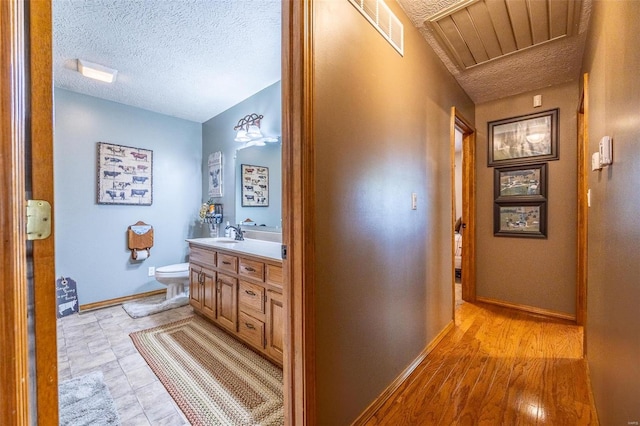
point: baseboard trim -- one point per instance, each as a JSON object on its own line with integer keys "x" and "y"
{"x": 526, "y": 308}
{"x": 373, "y": 408}
{"x": 118, "y": 300}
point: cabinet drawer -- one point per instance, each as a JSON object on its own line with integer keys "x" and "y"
{"x": 227, "y": 263}
{"x": 251, "y": 296}
{"x": 274, "y": 275}
{"x": 251, "y": 268}
{"x": 202, "y": 256}
{"x": 251, "y": 329}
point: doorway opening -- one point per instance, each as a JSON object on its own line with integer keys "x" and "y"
{"x": 462, "y": 139}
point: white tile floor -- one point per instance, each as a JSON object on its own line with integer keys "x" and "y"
{"x": 99, "y": 340}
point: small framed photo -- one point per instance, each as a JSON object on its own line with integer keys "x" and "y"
{"x": 519, "y": 183}
{"x": 524, "y": 219}
{"x": 125, "y": 175}
{"x": 525, "y": 139}
{"x": 255, "y": 186}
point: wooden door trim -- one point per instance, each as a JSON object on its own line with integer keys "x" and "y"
{"x": 468, "y": 202}
{"x": 14, "y": 404}
{"x": 583, "y": 206}
{"x": 298, "y": 208}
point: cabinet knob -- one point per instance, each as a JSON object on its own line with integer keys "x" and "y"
{"x": 226, "y": 262}
{"x": 250, "y": 293}
{"x": 249, "y": 268}
{"x": 249, "y": 326}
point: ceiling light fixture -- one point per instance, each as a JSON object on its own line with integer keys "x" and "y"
{"x": 96, "y": 71}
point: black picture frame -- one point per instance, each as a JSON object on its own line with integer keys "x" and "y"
{"x": 520, "y": 183}
{"x": 526, "y": 219}
{"x": 524, "y": 139}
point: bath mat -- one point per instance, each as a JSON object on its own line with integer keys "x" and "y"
{"x": 86, "y": 401}
{"x": 154, "y": 304}
{"x": 214, "y": 378}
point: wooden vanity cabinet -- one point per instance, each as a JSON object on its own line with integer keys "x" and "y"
{"x": 242, "y": 294}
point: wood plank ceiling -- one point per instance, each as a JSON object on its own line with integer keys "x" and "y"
{"x": 477, "y": 31}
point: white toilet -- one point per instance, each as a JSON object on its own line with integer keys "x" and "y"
{"x": 175, "y": 277}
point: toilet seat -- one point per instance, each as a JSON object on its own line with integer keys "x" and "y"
{"x": 173, "y": 271}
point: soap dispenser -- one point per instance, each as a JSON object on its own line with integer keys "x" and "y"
{"x": 227, "y": 230}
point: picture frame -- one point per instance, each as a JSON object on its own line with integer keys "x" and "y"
{"x": 524, "y": 139}
{"x": 255, "y": 185}
{"x": 125, "y": 175}
{"x": 526, "y": 219}
{"x": 520, "y": 183}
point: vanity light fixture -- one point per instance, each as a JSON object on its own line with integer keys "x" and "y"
{"x": 96, "y": 71}
{"x": 248, "y": 128}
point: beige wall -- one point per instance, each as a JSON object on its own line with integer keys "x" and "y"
{"x": 613, "y": 322}
{"x": 539, "y": 273}
{"x": 383, "y": 271}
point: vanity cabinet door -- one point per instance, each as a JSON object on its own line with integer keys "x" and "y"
{"x": 208, "y": 293}
{"x": 275, "y": 325}
{"x": 227, "y": 301}
{"x": 195, "y": 287}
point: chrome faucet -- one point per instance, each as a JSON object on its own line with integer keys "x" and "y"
{"x": 239, "y": 234}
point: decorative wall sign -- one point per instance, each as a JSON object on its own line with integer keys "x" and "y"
{"x": 125, "y": 175}
{"x": 66, "y": 296}
{"x": 255, "y": 186}
{"x": 215, "y": 174}
{"x": 524, "y": 139}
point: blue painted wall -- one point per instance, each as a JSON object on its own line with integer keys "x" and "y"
{"x": 91, "y": 243}
{"x": 218, "y": 135}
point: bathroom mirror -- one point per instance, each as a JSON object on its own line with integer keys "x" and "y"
{"x": 267, "y": 217}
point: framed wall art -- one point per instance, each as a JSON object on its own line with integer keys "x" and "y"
{"x": 520, "y": 219}
{"x": 125, "y": 175}
{"x": 519, "y": 183}
{"x": 215, "y": 174}
{"x": 525, "y": 139}
{"x": 255, "y": 186}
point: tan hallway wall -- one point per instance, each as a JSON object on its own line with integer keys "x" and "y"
{"x": 538, "y": 273}
{"x": 383, "y": 273}
{"x": 612, "y": 59}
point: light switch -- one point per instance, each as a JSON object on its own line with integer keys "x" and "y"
{"x": 414, "y": 201}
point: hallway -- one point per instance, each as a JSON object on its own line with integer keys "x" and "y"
{"x": 497, "y": 367}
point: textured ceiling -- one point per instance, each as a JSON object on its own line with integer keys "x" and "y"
{"x": 557, "y": 61}
{"x": 191, "y": 59}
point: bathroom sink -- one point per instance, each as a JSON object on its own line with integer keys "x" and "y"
{"x": 223, "y": 240}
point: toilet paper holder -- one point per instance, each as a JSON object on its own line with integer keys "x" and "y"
{"x": 140, "y": 237}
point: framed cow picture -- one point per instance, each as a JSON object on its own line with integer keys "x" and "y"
{"x": 255, "y": 186}
{"x": 125, "y": 175}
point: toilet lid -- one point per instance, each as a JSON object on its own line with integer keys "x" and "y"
{"x": 177, "y": 267}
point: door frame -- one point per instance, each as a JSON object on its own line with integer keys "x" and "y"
{"x": 468, "y": 203}
{"x": 14, "y": 404}
{"x": 298, "y": 211}
{"x": 583, "y": 206}
{"x": 27, "y": 125}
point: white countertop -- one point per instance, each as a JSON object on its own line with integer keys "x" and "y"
{"x": 260, "y": 248}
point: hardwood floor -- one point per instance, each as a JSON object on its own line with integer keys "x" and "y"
{"x": 497, "y": 367}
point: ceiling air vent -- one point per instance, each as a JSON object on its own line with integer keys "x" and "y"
{"x": 381, "y": 17}
{"x": 478, "y": 31}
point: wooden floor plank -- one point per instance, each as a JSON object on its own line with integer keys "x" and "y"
{"x": 497, "y": 366}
